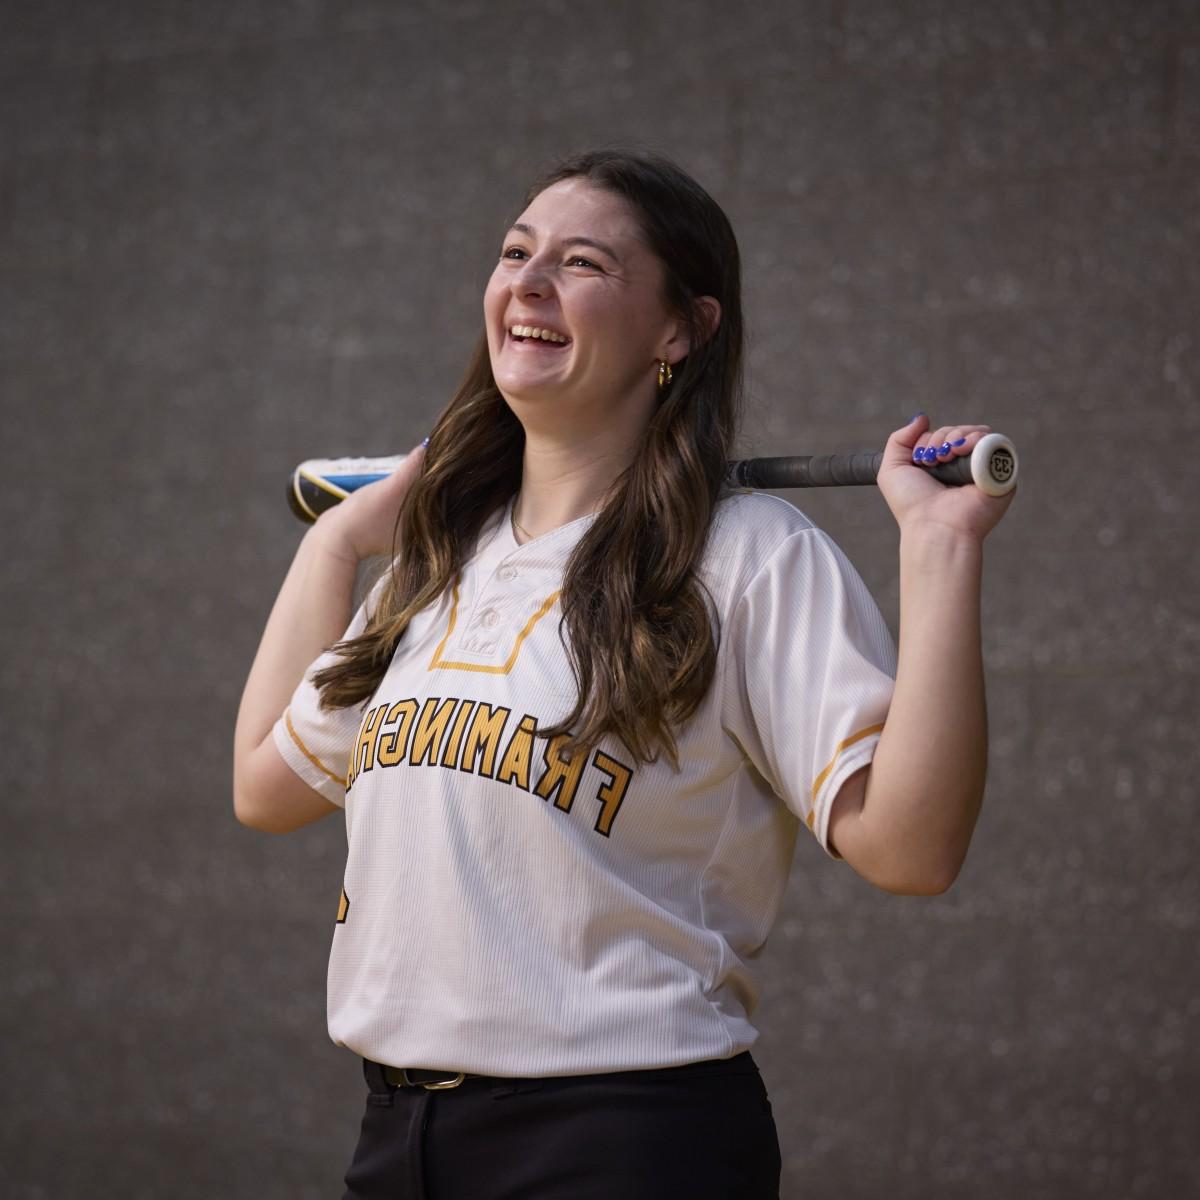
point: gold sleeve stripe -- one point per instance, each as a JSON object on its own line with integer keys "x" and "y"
{"x": 312, "y": 758}
{"x": 854, "y": 737}
{"x": 438, "y": 663}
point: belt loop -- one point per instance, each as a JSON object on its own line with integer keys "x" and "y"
{"x": 381, "y": 1091}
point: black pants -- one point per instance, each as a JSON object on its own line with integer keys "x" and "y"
{"x": 702, "y": 1131}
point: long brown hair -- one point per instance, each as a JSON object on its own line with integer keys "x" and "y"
{"x": 638, "y": 624}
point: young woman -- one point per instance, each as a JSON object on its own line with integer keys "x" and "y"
{"x": 576, "y": 727}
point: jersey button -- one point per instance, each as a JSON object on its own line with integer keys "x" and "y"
{"x": 490, "y": 618}
{"x": 508, "y": 574}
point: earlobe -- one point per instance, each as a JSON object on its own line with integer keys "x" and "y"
{"x": 675, "y": 348}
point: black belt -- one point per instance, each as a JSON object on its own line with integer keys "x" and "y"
{"x": 381, "y": 1077}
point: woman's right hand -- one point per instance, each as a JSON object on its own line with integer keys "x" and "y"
{"x": 362, "y": 525}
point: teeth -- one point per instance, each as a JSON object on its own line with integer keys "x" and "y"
{"x": 532, "y": 331}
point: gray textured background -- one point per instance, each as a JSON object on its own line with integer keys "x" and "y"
{"x": 237, "y": 233}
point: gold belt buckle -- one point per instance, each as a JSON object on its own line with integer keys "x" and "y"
{"x": 432, "y": 1086}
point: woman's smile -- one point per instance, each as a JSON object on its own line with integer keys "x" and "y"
{"x": 523, "y": 333}
{"x": 574, "y": 309}
{"x": 536, "y": 339}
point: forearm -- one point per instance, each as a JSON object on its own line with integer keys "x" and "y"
{"x": 311, "y": 612}
{"x": 925, "y": 786}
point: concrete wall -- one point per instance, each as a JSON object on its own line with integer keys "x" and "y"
{"x": 239, "y": 233}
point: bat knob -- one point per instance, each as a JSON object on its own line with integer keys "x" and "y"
{"x": 994, "y": 465}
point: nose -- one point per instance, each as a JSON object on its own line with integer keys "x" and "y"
{"x": 532, "y": 279}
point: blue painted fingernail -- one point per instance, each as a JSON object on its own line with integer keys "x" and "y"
{"x": 930, "y": 455}
{"x": 960, "y": 442}
{"x": 918, "y": 455}
{"x": 915, "y": 416}
{"x": 944, "y": 448}
{"x": 425, "y": 442}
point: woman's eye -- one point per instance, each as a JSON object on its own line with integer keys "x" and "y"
{"x": 516, "y": 253}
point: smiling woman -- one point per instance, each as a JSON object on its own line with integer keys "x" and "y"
{"x": 577, "y": 726}
{"x": 559, "y": 430}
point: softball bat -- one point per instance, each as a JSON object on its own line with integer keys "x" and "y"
{"x": 319, "y": 483}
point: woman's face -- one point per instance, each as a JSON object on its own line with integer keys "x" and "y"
{"x": 574, "y": 264}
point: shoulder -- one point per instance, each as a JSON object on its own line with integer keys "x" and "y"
{"x": 759, "y": 514}
{"x": 747, "y": 532}
{"x": 759, "y": 539}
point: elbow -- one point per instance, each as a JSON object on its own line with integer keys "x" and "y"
{"x": 931, "y": 885}
{"x": 935, "y": 879}
{"x": 905, "y": 844}
{"x": 276, "y": 804}
{"x": 253, "y": 818}
{"x": 248, "y": 813}
{"x": 243, "y": 811}
{"x": 931, "y": 866}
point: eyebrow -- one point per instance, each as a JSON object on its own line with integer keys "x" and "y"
{"x": 528, "y": 230}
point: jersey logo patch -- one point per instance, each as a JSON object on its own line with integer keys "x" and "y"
{"x": 343, "y": 908}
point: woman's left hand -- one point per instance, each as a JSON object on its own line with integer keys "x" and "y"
{"x": 916, "y": 498}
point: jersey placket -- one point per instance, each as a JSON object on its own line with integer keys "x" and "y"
{"x": 505, "y": 596}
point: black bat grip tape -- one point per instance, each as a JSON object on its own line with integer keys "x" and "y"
{"x": 862, "y": 470}
{"x": 807, "y": 470}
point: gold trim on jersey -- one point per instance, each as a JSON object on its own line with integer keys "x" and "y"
{"x": 439, "y": 664}
{"x": 312, "y": 758}
{"x": 854, "y": 737}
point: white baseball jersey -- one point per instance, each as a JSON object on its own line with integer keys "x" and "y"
{"x": 506, "y": 913}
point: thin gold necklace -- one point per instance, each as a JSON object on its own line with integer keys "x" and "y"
{"x": 517, "y": 526}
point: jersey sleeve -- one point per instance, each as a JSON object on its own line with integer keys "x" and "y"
{"x": 315, "y": 742}
{"x": 808, "y": 673}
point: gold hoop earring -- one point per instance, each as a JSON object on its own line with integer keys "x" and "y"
{"x": 664, "y": 375}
